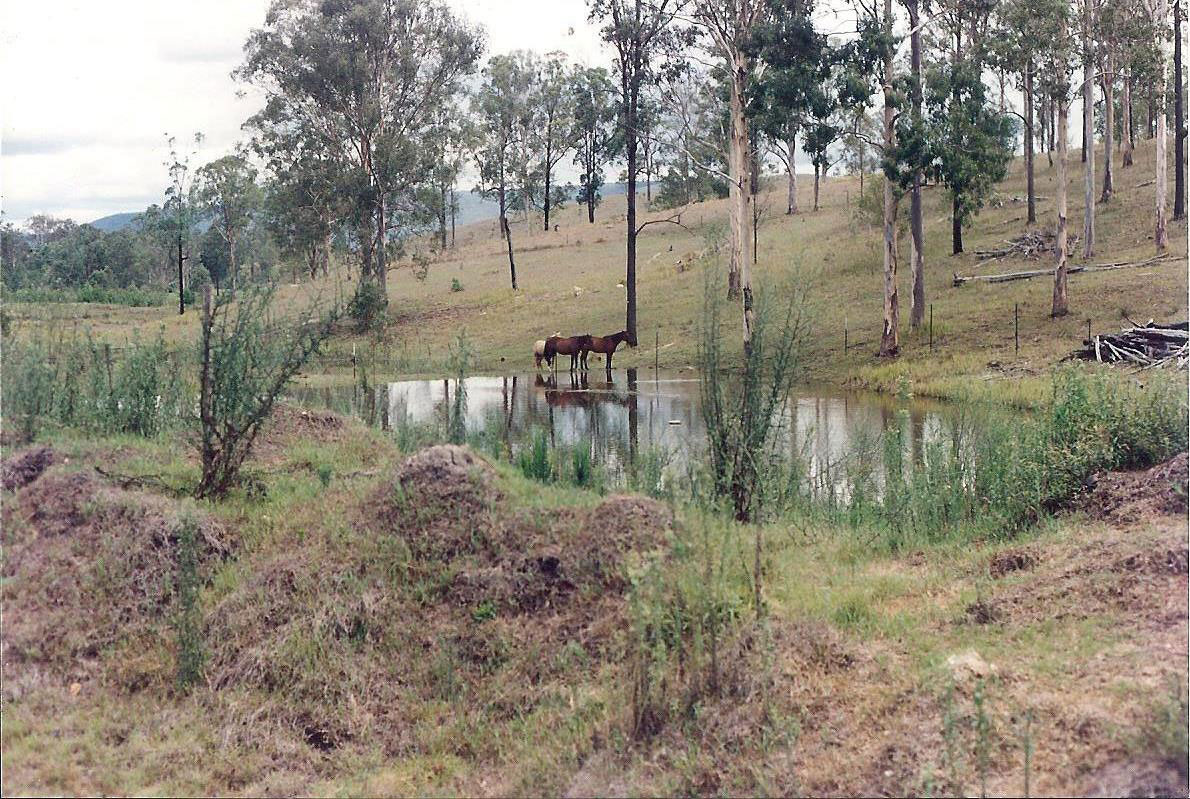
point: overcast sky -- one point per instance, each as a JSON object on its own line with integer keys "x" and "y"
{"x": 91, "y": 88}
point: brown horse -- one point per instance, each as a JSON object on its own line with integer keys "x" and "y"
{"x": 606, "y": 345}
{"x": 574, "y": 346}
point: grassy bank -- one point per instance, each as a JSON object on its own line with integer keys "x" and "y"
{"x": 446, "y": 623}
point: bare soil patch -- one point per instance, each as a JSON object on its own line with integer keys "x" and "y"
{"x": 21, "y": 469}
{"x": 1128, "y": 497}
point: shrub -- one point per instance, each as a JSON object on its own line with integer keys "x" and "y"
{"x": 455, "y": 285}
{"x": 368, "y": 306}
{"x": 246, "y": 356}
{"x": 741, "y": 414}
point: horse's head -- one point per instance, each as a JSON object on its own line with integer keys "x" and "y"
{"x": 628, "y": 337}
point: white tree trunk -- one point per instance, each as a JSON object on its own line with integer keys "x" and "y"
{"x": 1060, "y": 304}
{"x": 1088, "y": 135}
{"x": 741, "y": 198}
{"x": 890, "y": 342}
{"x": 1161, "y": 235}
{"x": 791, "y": 147}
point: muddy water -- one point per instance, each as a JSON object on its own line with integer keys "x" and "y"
{"x": 635, "y": 412}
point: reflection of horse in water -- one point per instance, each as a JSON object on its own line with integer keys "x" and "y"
{"x": 581, "y": 392}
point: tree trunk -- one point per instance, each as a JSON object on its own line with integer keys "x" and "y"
{"x": 1049, "y": 153}
{"x": 791, "y": 165}
{"x": 1060, "y": 304}
{"x": 507, "y": 230}
{"x": 817, "y": 171}
{"x": 546, "y": 200}
{"x": 917, "y": 304}
{"x": 740, "y": 276}
{"x": 630, "y": 110}
{"x": 1161, "y": 235}
{"x": 1179, "y": 132}
{"x": 381, "y": 276}
{"x": 453, "y": 203}
{"x": 1126, "y": 121}
{"x": 1109, "y": 121}
{"x": 956, "y": 228}
{"x": 1030, "y": 192}
{"x": 1088, "y": 136}
{"x": 890, "y": 343}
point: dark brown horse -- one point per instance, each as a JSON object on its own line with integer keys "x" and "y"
{"x": 606, "y": 345}
{"x": 574, "y": 346}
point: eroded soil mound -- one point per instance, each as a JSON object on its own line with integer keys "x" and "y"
{"x": 89, "y": 573}
{"x": 288, "y": 425}
{"x": 18, "y": 471}
{"x": 438, "y": 588}
{"x": 440, "y": 502}
{"x": 1138, "y": 778}
{"x": 1126, "y": 497}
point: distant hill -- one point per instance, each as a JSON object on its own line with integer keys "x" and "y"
{"x": 472, "y": 208}
{"x": 114, "y": 221}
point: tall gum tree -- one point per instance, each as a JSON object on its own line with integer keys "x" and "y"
{"x": 639, "y": 32}
{"x": 366, "y": 77}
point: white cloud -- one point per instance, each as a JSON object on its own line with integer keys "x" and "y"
{"x": 91, "y": 88}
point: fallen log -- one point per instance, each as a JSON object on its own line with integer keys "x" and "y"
{"x": 1006, "y": 277}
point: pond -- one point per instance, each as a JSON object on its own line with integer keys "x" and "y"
{"x": 621, "y": 415}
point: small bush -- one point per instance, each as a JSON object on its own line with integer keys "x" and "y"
{"x": 455, "y": 285}
{"x": 368, "y": 306}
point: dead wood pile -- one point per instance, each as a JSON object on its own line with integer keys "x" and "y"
{"x": 1150, "y": 346}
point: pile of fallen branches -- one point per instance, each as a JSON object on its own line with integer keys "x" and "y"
{"x": 1149, "y": 346}
{"x": 1032, "y": 244}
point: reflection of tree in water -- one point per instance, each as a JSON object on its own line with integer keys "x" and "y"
{"x": 832, "y": 431}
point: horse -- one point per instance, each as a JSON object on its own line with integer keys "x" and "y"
{"x": 574, "y": 346}
{"x": 539, "y": 354}
{"x": 606, "y": 345}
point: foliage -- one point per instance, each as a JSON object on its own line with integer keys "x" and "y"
{"x": 80, "y": 383}
{"x": 595, "y": 132}
{"x": 368, "y": 306}
{"x": 972, "y": 143}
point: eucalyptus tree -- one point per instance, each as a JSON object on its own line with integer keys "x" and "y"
{"x": 1017, "y": 45}
{"x": 365, "y": 77}
{"x": 971, "y": 140}
{"x": 1055, "y": 66}
{"x": 639, "y": 31}
{"x": 501, "y": 107}
{"x": 729, "y": 28}
{"x": 791, "y": 52}
{"x": 595, "y": 134}
{"x": 694, "y": 142}
{"x": 1160, "y": 13}
{"x": 452, "y": 138}
{"x": 227, "y": 191}
{"x": 555, "y": 132}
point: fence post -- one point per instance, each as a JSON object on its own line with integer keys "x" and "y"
{"x": 1016, "y": 326}
{"x": 656, "y": 351}
{"x": 931, "y": 327}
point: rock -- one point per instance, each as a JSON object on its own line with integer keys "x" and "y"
{"x": 965, "y": 666}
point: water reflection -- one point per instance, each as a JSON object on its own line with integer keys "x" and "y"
{"x": 618, "y": 414}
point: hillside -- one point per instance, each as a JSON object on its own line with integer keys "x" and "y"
{"x": 569, "y": 282}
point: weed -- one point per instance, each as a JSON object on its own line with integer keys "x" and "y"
{"x": 188, "y": 617}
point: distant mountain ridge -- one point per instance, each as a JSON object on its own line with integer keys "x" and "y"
{"x": 472, "y": 208}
